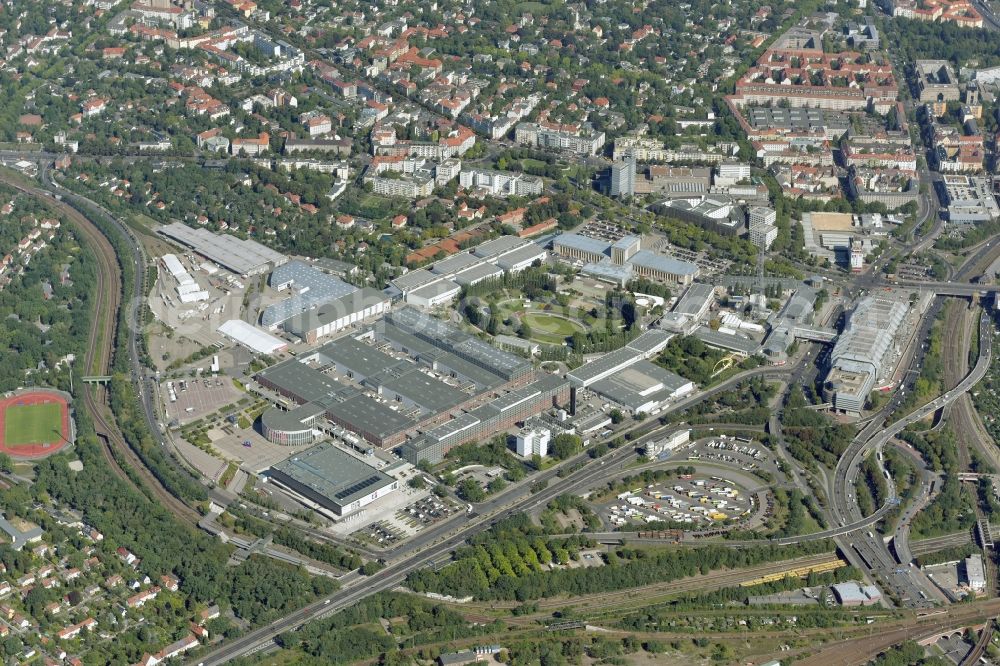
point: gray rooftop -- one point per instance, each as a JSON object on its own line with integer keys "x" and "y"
{"x": 694, "y": 298}
{"x": 235, "y": 254}
{"x": 514, "y": 257}
{"x": 650, "y": 341}
{"x": 869, "y": 332}
{"x": 799, "y": 308}
{"x": 361, "y": 413}
{"x": 422, "y": 389}
{"x": 291, "y": 420}
{"x": 607, "y": 270}
{"x": 583, "y": 243}
{"x": 309, "y": 287}
{"x": 355, "y": 302}
{"x": 362, "y": 359}
{"x": 332, "y": 473}
{"x": 658, "y": 262}
{"x": 413, "y": 279}
{"x": 626, "y": 242}
{"x": 455, "y": 263}
{"x": 335, "y": 266}
{"x": 17, "y": 537}
{"x": 639, "y": 383}
{"x": 453, "y": 427}
{"x": 498, "y": 246}
{"x": 431, "y": 354}
{"x": 299, "y": 380}
{"x": 478, "y": 272}
{"x": 586, "y": 373}
{"x": 435, "y": 289}
{"x": 448, "y": 337}
{"x": 726, "y": 341}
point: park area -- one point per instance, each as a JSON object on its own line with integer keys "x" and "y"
{"x": 551, "y": 328}
{"x": 34, "y": 424}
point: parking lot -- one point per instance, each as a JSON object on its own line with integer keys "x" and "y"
{"x": 697, "y": 500}
{"x": 380, "y": 534}
{"x": 747, "y": 455}
{"x": 426, "y": 512}
{"x": 188, "y": 400}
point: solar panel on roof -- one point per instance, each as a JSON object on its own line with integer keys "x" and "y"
{"x": 357, "y": 487}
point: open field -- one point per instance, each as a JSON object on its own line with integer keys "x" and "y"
{"x": 37, "y": 423}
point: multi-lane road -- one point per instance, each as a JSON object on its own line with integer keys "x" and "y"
{"x": 867, "y": 546}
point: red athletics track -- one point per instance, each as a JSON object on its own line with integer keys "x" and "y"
{"x": 29, "y": 451}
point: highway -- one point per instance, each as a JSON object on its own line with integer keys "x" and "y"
{"x": 867, "y": 546}
{"x": 990, "y": 19}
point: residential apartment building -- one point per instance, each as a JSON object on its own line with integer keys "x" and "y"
{"x": 501, "y": 183}
{"x": 573, "y": 138}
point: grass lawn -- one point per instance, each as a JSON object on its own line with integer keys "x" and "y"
{"x": 32, "y": 424}
{"x": 551, "y": 328}
{"x": 510, "y": 306}
{"x": 145, "y": 220}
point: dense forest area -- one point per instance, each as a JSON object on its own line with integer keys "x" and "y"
{"x": 810, "y": 436}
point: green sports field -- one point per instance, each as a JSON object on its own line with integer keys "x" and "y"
{"x": 25, "y": 425}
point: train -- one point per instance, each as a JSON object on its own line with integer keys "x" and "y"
{"x": 667, "y": 535}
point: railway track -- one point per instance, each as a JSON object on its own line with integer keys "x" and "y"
{"x": 660, "y": 591}
{"x": 99, "y": 356}
{"x": 925, "y": 546}
{"x": 857, "y": 651}
{"x": 985, "y": 636}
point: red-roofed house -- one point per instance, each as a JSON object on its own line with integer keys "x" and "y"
{"x": 93, "y": 106}
{"x": 140, "y": 599}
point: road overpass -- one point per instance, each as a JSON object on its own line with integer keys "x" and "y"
{"x": 871, "y": 547}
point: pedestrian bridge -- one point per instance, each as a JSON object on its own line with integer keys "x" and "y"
{"x": 814, "y": 333}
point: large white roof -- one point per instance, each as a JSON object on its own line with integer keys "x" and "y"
{"x": 252, "y": 337}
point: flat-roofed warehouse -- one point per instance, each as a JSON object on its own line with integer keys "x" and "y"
{"x": 383, "y": 396}
{"x": 336, "y": 315}
{"x": 486, "y": 420}
{"x": 455, "y": 341}
{"x": 297, "y": 381}
{"x": 356, "y": 359}
{"x": 438, "y": 359}
{"x": 412, "y": 387}
{"x": 376, "y": 422}
{"x": 309, "y": 288}
{"x": 329, "y": 479}
{"x": 252, "y": 337}
{"x": 243, "y": 257}
{"x": 643, "y": 347}
{"x": 643, "y": 388}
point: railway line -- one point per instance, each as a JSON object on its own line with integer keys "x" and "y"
{"x": 859, "y": 650}
{"x": 925, "y": 546}
{"x": 985, "y": 636}
{"x": 100, "y": 349}
{"x": 956, "y": 354}
{"x": 662, "y": 591}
